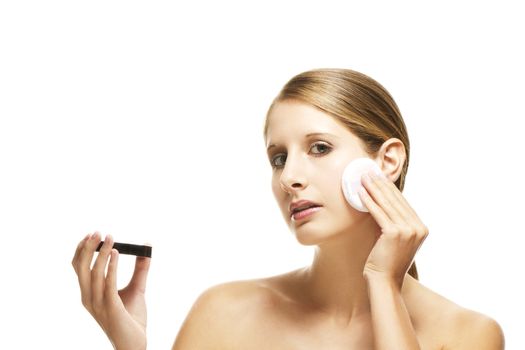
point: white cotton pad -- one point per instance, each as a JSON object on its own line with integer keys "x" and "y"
{"x": 351, "y": 180}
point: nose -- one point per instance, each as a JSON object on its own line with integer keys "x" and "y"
{"x": 292, "y": 176}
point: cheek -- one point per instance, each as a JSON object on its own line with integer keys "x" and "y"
{"x": 333, "y": 189}
{"x": 281, "y": 200}
{"x": 275, "y": 189}
{"x": 278, "y": 193}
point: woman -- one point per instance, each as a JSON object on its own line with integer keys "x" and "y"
{"x": 361, "y": 290}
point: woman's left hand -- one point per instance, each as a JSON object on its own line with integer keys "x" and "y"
{"x": 402, "y": 232}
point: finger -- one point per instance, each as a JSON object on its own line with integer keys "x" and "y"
{"x": 111, "y": 280}
{"x": 140, "y": 274}
{"x": 80, "y": 245}
{"x": 88, "y": 250}
{"x": 408, "y": 208}
{"x": 377, "y": 213}
{"x": 382, "y": 194}
{"x": 408, "y": 211}
{"x": 85, "y": 257}
{"x": 98, "y": 272}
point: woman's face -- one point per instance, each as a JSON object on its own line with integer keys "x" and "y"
{"x": 308, "y": 150}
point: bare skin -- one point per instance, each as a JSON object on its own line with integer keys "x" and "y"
{"x": 273, "y": 313}
{"x": 355, "y": 294}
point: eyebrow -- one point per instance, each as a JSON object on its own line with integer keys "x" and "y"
{"x": 308, "y": 135}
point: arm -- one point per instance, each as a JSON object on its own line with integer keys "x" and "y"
{"x": 393, "y": 329}
{"x": 402, "y": 233}
{"x": 390, "y": 320}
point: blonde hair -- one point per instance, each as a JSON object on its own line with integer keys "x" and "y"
{"x": 358, "y": 101}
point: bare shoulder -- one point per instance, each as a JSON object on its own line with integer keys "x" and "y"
{"x": 461, "y": 328}
{"x": 224, "y": 314}
{"x": 473, "y": 330}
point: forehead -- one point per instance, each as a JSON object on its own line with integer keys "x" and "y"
{"x": 290, "y": 119}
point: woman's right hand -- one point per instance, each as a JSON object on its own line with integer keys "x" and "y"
{"x": 121, "y": 314}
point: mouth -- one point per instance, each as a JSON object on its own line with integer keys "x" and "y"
{"x": 300, "y": 205}
{"x": 304, "y": 212}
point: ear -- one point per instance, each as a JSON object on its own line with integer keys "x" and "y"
{"x": 391, "y": 157}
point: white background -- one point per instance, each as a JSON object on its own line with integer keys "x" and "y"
{"x": 144, "y": 120}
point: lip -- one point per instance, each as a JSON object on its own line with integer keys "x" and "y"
{"x": 303, "y": 214}
{"x": 301, "y": 203}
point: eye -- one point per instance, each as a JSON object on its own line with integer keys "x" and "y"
{"x": 278, "y": 160}
{"x": 278, "y": 156}
{"x": 322, "y": 146}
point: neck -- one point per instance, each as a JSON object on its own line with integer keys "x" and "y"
{"x": 334, "y": 281}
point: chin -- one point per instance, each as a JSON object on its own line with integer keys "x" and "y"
{"x": 310, "y": 233}
{"x": 316, "y": 233}
{"x": 308, "y": 240}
